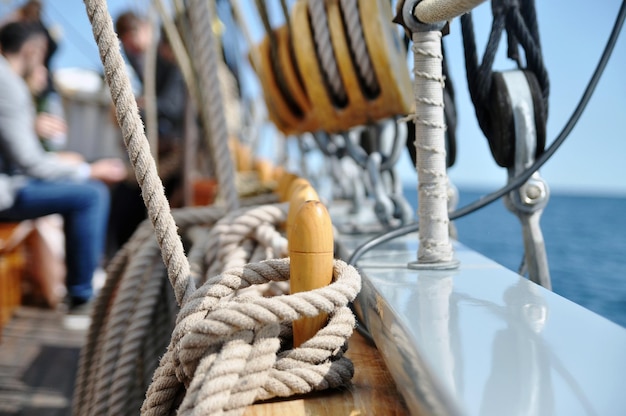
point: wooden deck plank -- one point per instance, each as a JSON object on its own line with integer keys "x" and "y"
{"x": 39, "y": 356}
{"x": 372, "y": 392}
{"x": 38, "y": 362}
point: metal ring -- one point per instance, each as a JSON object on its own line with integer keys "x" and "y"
{"x": 412, "y": 23}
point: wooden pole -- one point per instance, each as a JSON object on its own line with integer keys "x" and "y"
{"x": 311, "y": 256}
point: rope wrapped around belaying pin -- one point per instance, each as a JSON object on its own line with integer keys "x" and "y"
{"x": 121, "y": 357}
{"x": 226, "y": 352}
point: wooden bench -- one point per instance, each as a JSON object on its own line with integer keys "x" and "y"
{"x": 12, "y": 263}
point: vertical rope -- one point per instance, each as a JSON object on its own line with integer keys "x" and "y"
{"x": 430, "y": 163}
{"x": 212, "y": 108}
{"x": 180, "y": 52}
{"x": 149, "y": 87}
{"x": 136, "y": 143}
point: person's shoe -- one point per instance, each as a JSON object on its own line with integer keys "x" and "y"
{"x": 81, "y": 307}
{"x": 78, "y": 315}
{"x": 76, "y": 306}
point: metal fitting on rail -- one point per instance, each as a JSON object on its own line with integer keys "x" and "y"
{"x": 406, "y": 17}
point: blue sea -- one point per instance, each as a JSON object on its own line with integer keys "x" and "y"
{"x": 585, "y": 239}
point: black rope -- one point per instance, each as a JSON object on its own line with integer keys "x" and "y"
{"x": 276, "y": 67}
{"x": 479, "y": 76}
{"x": 519, "y": 19}
{"x": 520, "y": 179}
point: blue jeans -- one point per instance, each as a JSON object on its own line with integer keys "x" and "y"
{"x": 85, "y": 209}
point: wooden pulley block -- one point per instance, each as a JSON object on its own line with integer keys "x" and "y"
{"x": 288, "y": 118}
{"x": 389, "y": 60}
{"x": 293, "y": 80}
{"x": 278, "y": 110}
{"x": 356, "y": 112}
{"x": 306, "y": 57}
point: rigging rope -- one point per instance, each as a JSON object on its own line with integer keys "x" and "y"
{"x": 206, "y": 367}
{"x": 278, "y": 70}
{"x": 358, "y": 46}
{"x": 434, "y": 11}
{"x": 325, "y": 51}
{"x": 521, "y": 178}
{"x": 143, "y": 164}
{"x": 519, "y": 20}
{"x": 212, "y": 109}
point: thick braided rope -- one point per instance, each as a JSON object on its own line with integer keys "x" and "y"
{"x": 229, "y": 234}
{"x": 138, "y": 149}
{"x": 212, "y": 108}
{"x": 350, "y": 11}
{"x": 134, "y": 314}
{"x": 84, "y": 385}
{"x": 435, "y": 246}
{"x": 222, "y": 347}
{"x": 325, "y": 51}
{"x": 435, "y": 11}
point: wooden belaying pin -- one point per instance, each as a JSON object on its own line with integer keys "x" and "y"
{"x": 311, "y": 257}
{"x": 264, "y": 169}
{"x": 282, "y": 187}
{"x": 299, "y": 192}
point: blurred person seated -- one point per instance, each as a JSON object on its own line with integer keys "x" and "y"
{"x": 127, "y": 207}
{"x": 135, "y": 35}
{"x": 35, "y": 183}
{"x": 31, "y": 12}
{"x": 50, "y": 124}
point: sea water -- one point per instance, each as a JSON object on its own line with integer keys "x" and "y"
{"x": 585, "y": 238}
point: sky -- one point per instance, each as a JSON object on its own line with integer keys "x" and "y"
{"x": 573, "y": 34}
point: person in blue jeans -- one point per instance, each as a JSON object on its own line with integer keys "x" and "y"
{"x": 34, "y": 182}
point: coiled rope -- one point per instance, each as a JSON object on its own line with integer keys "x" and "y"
{"x": 224, "y": 350}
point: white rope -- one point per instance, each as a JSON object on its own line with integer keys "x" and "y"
{"x": 430, "y": 163}
{"x": 435, "y": 11}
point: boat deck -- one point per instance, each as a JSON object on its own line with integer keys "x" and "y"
{"x": 39, "y": 352}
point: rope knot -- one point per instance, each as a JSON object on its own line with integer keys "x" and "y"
{"x": 226, "y": 347}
